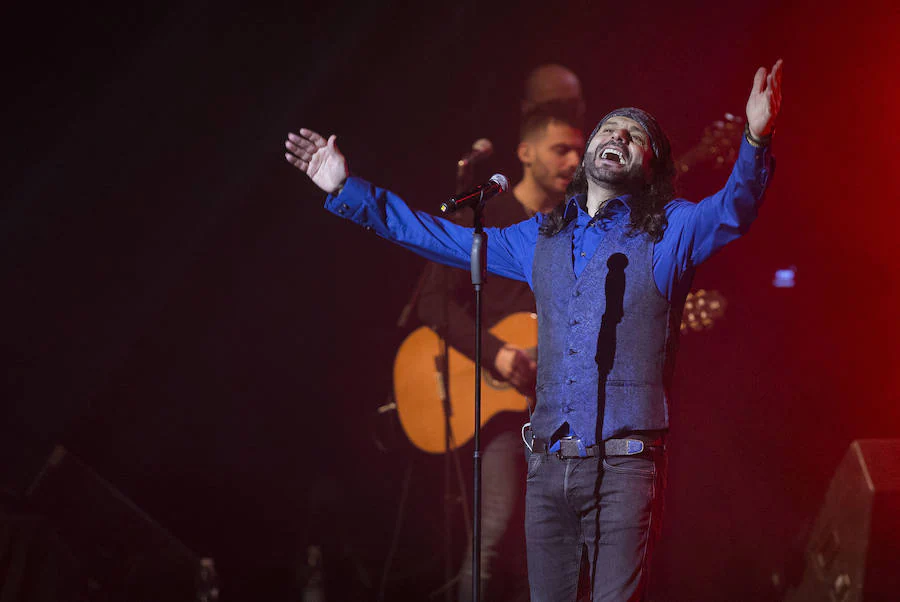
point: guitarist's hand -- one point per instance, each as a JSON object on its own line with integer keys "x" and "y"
{"x": 515, "y": 366}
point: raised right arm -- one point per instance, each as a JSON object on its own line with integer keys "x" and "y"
{"x": 433, "y": 238}
{"x": 510, "y": 250}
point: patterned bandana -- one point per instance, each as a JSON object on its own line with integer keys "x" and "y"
{"x": 658, "y": 140}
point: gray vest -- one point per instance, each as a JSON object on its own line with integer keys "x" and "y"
{"x": 606, "y": 340}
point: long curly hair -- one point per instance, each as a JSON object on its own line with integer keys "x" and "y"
{"x": 647, "y": 205}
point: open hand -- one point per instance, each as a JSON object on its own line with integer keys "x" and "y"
{"x": 764, "y": 101}
{"x": 321, "y": 160}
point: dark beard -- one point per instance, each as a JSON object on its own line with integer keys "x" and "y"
{"x": 626, "y": 181}
{"x": 622, "y": 180}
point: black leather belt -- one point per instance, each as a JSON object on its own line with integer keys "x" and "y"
{"x": 569, "y": 448}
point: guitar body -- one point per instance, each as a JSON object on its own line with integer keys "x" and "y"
{"x": 418, "y": 386}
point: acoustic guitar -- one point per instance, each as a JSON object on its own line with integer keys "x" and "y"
{"x": 420, "y": 391}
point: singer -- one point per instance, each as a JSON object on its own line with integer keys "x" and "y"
{"x": 610, "y": 268}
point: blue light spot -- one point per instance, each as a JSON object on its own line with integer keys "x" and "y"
{"x": 785, "y": 278}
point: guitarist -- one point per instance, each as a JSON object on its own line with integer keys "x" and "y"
{"x": 551, "y": 141}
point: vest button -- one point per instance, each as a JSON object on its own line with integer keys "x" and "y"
{"x": 574, "y": 322}
{"x": 572, "y": 351}
{"x": 570, "y": 380}
{"x": 576, "y": 294}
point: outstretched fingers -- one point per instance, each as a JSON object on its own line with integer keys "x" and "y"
{"x": 297, "y": 162}
{"x": 773, "y": 88}
{"x": 298, "y": 149}
{"x": 296, "y": 156}
{"x": 302, "y": 147}
{"x": 312, "y": 137}
{"x": 772, "y": 78}
{"x": 764, "y": 101}
{"x": 318, "y": 158}
{"x": 775, "y": 80}
{"x": 759, "y": 81}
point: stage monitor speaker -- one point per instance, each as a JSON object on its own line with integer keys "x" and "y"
{"x": 34, "y": 565}
{"x": 853, "y": 552}
{"x": 22, "y": 454}
{"x": 120, "y": 551}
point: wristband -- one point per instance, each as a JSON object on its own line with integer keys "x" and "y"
{"x": 754, "y": 141}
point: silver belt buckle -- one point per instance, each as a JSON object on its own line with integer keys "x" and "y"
{"x": 623, "y": 447}
{"x": 634, "y": 447}
{"x": 568, "y": 448}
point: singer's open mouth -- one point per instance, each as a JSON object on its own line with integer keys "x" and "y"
{"x": 613, "y": 154}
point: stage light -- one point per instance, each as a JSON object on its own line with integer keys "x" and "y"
{"x": 785, "y": 278}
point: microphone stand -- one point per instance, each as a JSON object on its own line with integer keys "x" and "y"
{"x": 464, "y": 177}
{"x": 442, "y": 371}
{"x": 478, "y": 265}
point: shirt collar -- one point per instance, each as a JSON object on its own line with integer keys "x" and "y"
{"x": 577, "y": 204}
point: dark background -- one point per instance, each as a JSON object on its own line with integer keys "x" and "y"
{"x": 182, "y": 315}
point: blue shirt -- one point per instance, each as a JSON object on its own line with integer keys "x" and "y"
{"x": 695, "y": 231}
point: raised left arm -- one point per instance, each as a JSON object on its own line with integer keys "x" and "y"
{"x": 697, "y": 231}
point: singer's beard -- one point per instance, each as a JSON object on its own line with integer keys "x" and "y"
{"x": 629, "y": 181}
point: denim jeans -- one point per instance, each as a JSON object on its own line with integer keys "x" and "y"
{"x": 610, "y": 506}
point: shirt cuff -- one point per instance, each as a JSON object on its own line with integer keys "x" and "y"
{"x": 349, "y": 198}
{"x": 759, "y": 160}
{"x": 753, "y": 153}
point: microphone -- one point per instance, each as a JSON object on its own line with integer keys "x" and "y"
{"x": 481, "y": 150}
{"x": 497, "y": 184}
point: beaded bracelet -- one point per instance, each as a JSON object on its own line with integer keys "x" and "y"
{"x": 753, "y": 140}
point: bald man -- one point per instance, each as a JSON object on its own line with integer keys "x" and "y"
{"x": 552, "y": 82}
